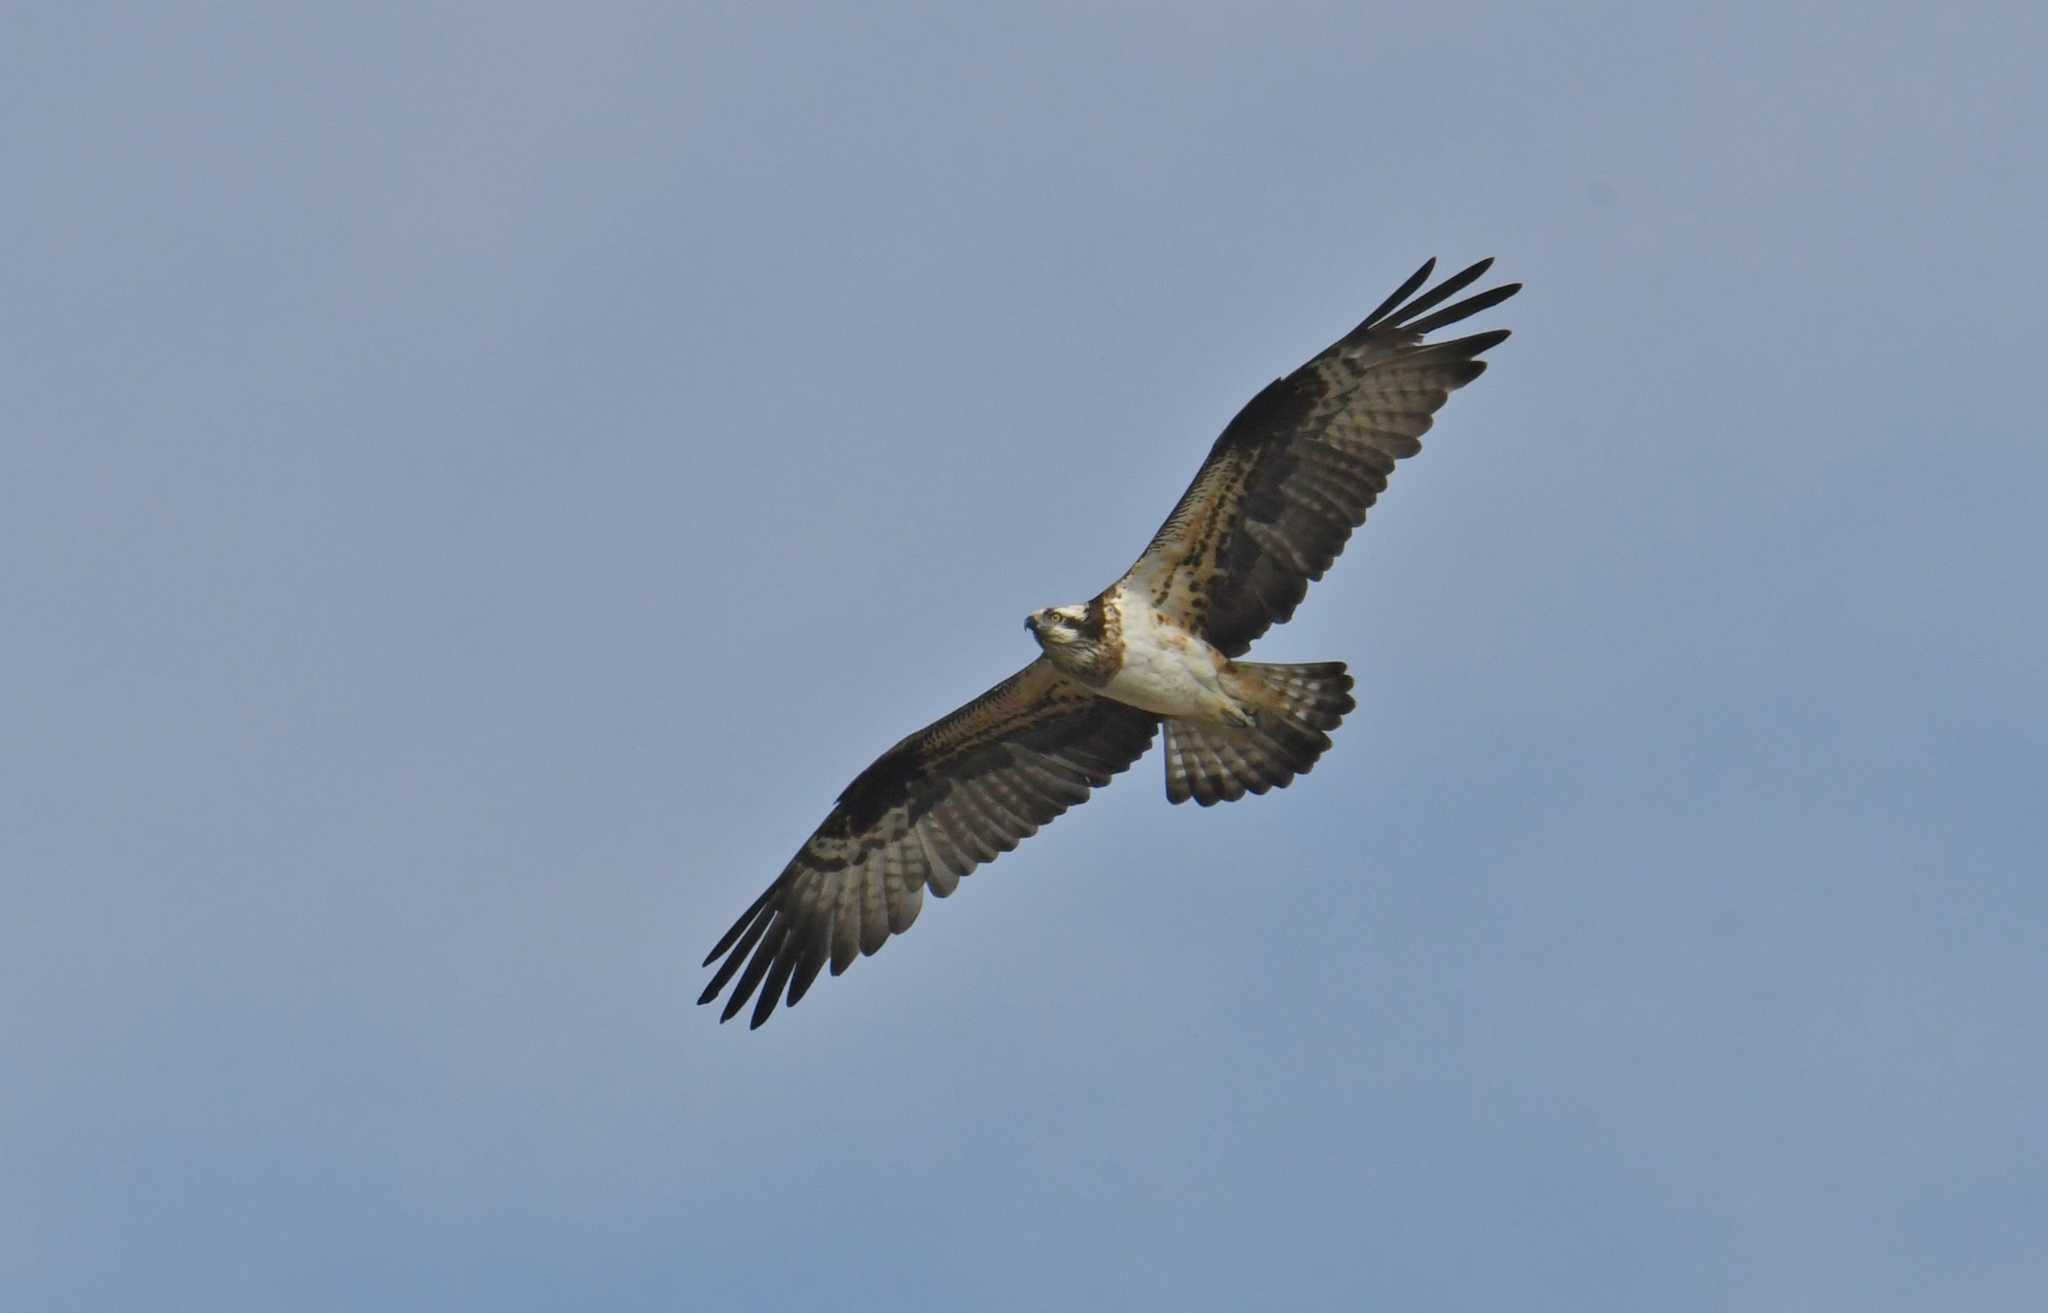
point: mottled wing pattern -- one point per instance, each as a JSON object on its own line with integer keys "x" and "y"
{"x": 1298, "y": 468}
{"x": 929, "y": 810}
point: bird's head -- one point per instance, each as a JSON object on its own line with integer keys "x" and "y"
{"x": 1076, "y": 639}
{"x": 1058, "y": 626}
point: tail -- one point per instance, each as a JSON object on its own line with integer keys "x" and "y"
{"x": 1295, "y": 707}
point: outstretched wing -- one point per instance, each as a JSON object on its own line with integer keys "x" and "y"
{"x": 1298, "y": 468}
{"x": 955, "y": 794}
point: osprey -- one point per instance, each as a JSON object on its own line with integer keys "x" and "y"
{"x": 1281, "y": 491}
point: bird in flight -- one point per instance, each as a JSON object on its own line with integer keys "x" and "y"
{"x": 1269, "y": 510}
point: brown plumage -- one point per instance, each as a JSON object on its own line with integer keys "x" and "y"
{"x": 1283, "y": 487}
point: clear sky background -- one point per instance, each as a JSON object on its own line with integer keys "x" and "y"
{"x": 479, "y": 479}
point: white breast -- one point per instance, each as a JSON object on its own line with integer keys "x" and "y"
{"x": 1166, "y": 669}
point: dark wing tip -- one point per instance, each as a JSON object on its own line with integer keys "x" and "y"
{"x": 1399, "y": 294}
{"x": 1443, "y": 291}
{"x": 1464, "y": 309}
{"x": 739, "y": 927}
{"x": 1398, "y": 312}
{"x": 1480, "y": 343}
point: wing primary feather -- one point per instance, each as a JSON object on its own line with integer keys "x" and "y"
{"x": 1471, "y": 305}
{"x": 846, "y": 926}
{"x": 738, "y": 927}
{"x": 757, "y": 966}
{"x": 1449, "y": 287}
{"x": 1400, "y": 294}
{"x": 811, "y": 946}
{"x": 778, "y": 976}
{"x": 1462, "y": 348}
{"x": 738, "y": 956}
{"x": 808, "y": 966}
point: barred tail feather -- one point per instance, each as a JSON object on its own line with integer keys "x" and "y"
{"x": 1296, "y": 705}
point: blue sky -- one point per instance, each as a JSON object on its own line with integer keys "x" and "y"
{"x": 479, "y": 479}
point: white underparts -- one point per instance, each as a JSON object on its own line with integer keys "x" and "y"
{"x": 1167, "y": 669}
